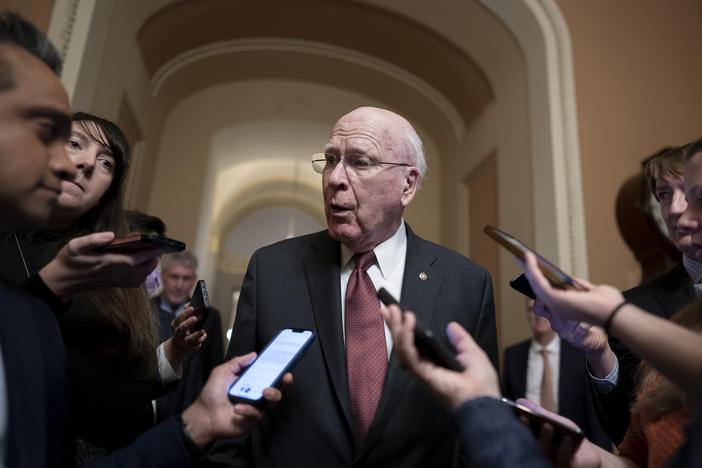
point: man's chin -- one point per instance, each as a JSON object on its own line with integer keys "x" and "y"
{"x": 343, "y": 233}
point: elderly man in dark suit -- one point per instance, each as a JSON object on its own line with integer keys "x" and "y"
{"x": 352, "y": 405}
{"x": 557, "y": 381}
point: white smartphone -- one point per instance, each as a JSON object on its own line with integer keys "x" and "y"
{"x": 279, "y": 356}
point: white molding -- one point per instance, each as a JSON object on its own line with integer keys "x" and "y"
{"x": 189, "y": 57}
{"x": 559, "y": 216}
{"x": 63, "y": 19}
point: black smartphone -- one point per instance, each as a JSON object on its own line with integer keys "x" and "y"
{"x": 139, "y": 242}
{"x": 279, "y": 357}
{"x": 201, "y": 302}
{"x": 424, "y": 339}
{"x": 536, "y": 420}
{"x": 555, "y": 275}
{"x": 520, "y": 283}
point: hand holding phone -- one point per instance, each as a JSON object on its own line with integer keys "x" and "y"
{"x": 279, "y": 356}
{"x": 425, "y": 340}
{"x": 536, "y": 420}
{"x": 138, "y": 242}
{"x": 201, "y": 302}
{"x": 555, "y": 275}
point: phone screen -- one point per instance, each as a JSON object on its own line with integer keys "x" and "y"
{"x": 267, "y": 370}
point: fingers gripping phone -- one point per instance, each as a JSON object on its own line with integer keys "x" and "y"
{"x": 425, "y": 340}
{"x": 140, "y": 242}
{"x": 536, "y": 420}
{"x": 553, "y": 274}
{"x": 201, "y": 302}
{"x": 279, "y": 356}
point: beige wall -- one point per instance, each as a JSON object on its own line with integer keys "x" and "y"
{"x": 638, "y": 70}
{"x": 36, "y": 11}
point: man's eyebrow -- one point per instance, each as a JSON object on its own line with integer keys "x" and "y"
{"x": 61, "y": 120}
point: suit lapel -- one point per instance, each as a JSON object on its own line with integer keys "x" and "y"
{"x": 420, "y": 296}
{"x": 519, "y": 367}
{"x": 565, "y": 369}
{"x": 322, "y": 275}
{"x": 669, "y": 294}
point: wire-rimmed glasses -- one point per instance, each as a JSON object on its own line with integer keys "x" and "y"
{"x": 359, "y": 164}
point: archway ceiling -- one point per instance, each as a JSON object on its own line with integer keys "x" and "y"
{"x": 420, "y": 51}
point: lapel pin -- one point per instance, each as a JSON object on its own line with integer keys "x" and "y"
{"x": 422, "y": 276}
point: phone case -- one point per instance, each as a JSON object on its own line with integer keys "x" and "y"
{"x": 139, "y": 242}
{"x": 424, "y": 339}
{"x": 201, "y": 302}
{"x": 557, "y": 277}
{"x": 521, "y": 284}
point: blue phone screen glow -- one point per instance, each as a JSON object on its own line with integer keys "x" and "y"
{"x": 270, "y": 364}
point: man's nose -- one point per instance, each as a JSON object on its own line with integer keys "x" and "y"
{"x": 59, "y": 162}
{"x": 338, "y": 176}
{"x": 678, "y": 204}
{"x": 85, "y": 160}
{"x": 688, "y": 221}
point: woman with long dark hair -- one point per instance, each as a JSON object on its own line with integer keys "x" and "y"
{"x": 110, "y": 333}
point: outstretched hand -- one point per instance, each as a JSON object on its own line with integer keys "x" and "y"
{"x": 212, "y": 416}
{"x": 185, "y": 339}
{"x": 591, "y": 306}
{"x": 78, "y": 267}
{"x": 451, "y": 388}
{"x": 584, "y": 336}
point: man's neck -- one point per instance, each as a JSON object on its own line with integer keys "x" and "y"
{"x": 544, "y": 339}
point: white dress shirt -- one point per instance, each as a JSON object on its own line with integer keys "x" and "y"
{"x": 387, "y": 272}
{"x": 535, "y": 369}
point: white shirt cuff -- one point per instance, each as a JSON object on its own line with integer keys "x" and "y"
{"x": 606, "y": 385}
{"x": 165, "y": 370}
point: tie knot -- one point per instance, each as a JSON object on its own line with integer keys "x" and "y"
{"x": 364, "y": 260}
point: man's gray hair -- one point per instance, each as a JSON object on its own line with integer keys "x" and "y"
{"x": 185, "y": 258}
{"x": 416, "y": 149}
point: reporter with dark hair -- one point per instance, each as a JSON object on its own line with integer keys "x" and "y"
{"x": 34, "y": 125}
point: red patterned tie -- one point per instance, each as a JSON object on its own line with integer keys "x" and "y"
{"x": 366, "y": 351}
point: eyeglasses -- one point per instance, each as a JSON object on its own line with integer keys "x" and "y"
{"x": 359, "y": 164}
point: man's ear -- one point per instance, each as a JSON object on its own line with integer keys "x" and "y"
{"x": 410, "y": 184}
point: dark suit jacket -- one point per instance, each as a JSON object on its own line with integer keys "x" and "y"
{"x": 295, "y": 283}
{"x": 662, "y": 296}
{"x": 494, "y": 438}
{"x": 38, "y": 431}
{"x": 36, "y": 382}
{"x": 574, "y": 398}
{"x": 197, "y": 366}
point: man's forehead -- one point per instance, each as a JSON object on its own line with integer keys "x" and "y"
{"x": 183, "y": 269}
{"x": 34, "y": 83}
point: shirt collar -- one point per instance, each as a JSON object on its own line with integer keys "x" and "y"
{"x": 387, "y": 253}
{"x": 693, "y": 268}
{"x": 554, "y": 347}
{"x": 168, "y": 307}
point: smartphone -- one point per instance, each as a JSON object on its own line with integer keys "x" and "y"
{"x": 139, "y": 242}
{"x": 279, "y": 356}
{"x": 201, "y": 302}
{"x": 536, "y": 420}
{"x": 555, "y": 275}
{"x": 424, "y": 339}
{"x": 520, "y": 283}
